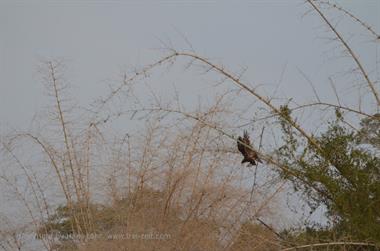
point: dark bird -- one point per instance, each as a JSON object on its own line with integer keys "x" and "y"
{"x": 245, "y": 147}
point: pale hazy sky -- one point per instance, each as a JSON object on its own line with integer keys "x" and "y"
{"x": 97, "y": 40}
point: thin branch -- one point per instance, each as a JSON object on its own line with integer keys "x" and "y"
{"x": 310, "y": 83}
{"x": 366, "y": 26}
{"x": 310, "y": 105}
{"x": 266, "y": 101}
{"x": 63, "y": 124}
{"x": 362, "y": 244}
{"x": 350, "y": 51}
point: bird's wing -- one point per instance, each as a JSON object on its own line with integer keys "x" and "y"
{"x": 250, "y": 152}
{"x": 240, "y": 146}
{"x": 243, "y": 144}
{"x": 246, "y": 138}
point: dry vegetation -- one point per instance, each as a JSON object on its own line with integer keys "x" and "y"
{"x": 176, "y": 182}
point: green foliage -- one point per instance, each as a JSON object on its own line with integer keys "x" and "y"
{"x": 71, "y": 220}
{"x": 370, "y": 131}
{"x": 324, "y": 238}
{"x": 96, "y": 218}
{"x": 311, "y": 234}
{"x": 142, "y": 211}
{"x": 346, "y": 173}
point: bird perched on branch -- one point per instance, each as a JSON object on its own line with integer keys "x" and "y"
{"x": 245, "y": 147}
